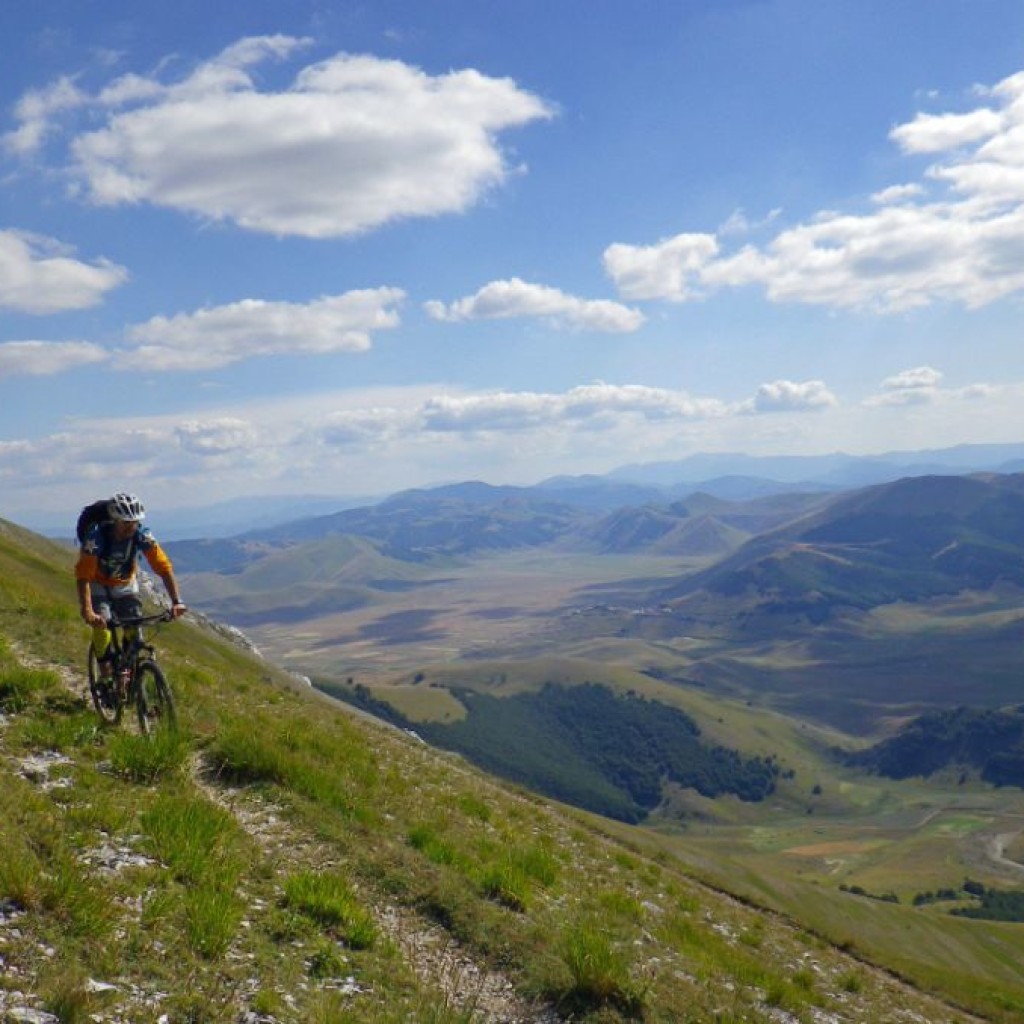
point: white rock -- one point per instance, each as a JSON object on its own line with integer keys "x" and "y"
{"x": 26, "y": 1015}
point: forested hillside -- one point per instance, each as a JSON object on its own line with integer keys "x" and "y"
{"x": 966, "y": 739}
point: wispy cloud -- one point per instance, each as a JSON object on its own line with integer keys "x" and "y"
{"x": 45, "y": 358}
{"x": 420, "y": 435}
{"x": 36, "y": 112}
{"x": 352, "y": 143}
{"x": 219, "y": 436}
{"x": 586, "y": 406}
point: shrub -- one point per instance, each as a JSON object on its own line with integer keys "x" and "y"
{"x": 599, "y": 971}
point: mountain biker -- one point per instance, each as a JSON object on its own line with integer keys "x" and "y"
{"x": 105, "y": 572}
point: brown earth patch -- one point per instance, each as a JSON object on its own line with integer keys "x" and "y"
{"x": 830, "y": 849}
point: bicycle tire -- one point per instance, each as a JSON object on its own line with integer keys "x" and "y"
{"x": 109, "y": 707}
{"x": 154, "y": 702}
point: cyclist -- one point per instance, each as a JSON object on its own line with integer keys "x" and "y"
{"x": 106, "y": 572}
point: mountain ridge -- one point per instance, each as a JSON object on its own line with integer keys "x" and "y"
{"x": 735, "y": 476}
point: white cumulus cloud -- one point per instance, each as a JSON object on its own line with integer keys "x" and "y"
{"x": 221, "y": 335}
{"x": 351, "y": 143}
{"x": 933, "y": 133}
{"x": 922, "y": 385}
{"x": 517, "y": 298}
{"x": 918, "y": 377}
{"x": 791, "y": 396}
{"x": 670, "y": 269}
{"x": 955, "y": 236}
{"x": 40, "y": 275}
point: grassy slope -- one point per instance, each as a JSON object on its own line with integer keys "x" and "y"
{"x": 824, "y": 827}
{"x": 219, "y": 918}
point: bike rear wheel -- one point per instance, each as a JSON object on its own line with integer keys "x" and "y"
{"x": 153, "y": 700}
{"x": 104, "y": 694}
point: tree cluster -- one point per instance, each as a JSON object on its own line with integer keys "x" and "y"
{"x": 588, "y": 746}
{"x": 992, "y": 742}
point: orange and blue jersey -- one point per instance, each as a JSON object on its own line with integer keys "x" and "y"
{"x": 110, "y": 562}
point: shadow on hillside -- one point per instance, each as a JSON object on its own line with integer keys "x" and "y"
{"x": 405, "y": 627}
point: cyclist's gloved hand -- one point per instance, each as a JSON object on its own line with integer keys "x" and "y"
{"x": 178, "y": 609}
{"x": 92, "y": 619}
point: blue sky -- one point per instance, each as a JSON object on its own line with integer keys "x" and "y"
{"x": 299, "y": 247}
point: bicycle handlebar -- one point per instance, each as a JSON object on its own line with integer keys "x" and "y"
{"x": 144, "y": 620}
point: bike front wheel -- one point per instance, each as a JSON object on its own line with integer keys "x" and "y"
{"x": 105, "y": 698}
{"x": 153, "y": 700}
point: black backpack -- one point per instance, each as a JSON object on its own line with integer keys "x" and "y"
{"x": 97, "y": 512}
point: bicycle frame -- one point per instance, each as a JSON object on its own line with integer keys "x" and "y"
{"x": 126, "y": 652}
{"x": 137, "y": 678}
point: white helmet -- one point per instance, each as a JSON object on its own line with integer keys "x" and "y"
{"x": 126, "y": 508}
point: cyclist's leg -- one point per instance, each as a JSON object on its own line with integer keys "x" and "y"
{"x": 128, "y": 606}
{"x": 102, "y": 635}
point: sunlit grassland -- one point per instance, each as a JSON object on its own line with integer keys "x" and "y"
{"x": 494, "y": 602}
{"x": 421, "y": 703}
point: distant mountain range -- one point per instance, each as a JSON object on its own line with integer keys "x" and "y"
{"x": 732, "y": 476}
{"x": 837, "y": 470}
{"x": 908, "y": 539}
{"x": 466, "y": 520}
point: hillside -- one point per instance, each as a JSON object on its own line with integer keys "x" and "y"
{"x": 282, "y": 860}
{"x": 887, "y": 601}
{"x": 909, "y": 540}
{"x": 961, "y": 739}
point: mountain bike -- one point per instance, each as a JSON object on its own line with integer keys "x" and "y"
{"x": 137, "y": 679}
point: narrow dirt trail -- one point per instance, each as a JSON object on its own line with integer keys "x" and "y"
{"x": 434, "y": 956}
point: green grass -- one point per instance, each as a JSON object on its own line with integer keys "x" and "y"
{"x": 146, "y": 759}
{"x": 289, "y": 750}
{"x": 600, "y": 971}
{"x": 197, "y": 841}
{"x": 328, "y": 899}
